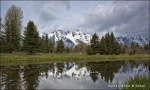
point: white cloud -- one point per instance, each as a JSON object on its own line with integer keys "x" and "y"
{"x": 128, "y": 17}
{"x": 47, "y": 11}
{"x": 121, "y": 17}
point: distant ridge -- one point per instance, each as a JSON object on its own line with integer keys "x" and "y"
{"x": 141, "y": 40}
{"x": 75, "y": 37}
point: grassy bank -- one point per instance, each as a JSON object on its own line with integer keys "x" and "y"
{"x": 22, "y": 57}
{"x": 138, "y": 83}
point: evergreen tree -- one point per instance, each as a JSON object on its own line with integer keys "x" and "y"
{"x": 46, "y": 44}
{"x": 116, "y": 48}
{"x": 51, "y": 47}
{"x": 95, "y": 44}
{"x": 102, "y": 46}
{"x": 60, "y": 46}
{"x": 13, "y": 26}
{"x": 112, "y": 42}
{"x": 89, "y": 50}
{"x": 108, "y": 46}
{"x": 31, "y": 38}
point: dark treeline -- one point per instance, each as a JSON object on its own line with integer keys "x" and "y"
{"x": 135, "y": 48}
{"x": 11, "y": 40}
{"x": 107, "y": 45}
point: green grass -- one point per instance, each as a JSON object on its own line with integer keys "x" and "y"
{"x": 138, "y": 83}
{"x": 44, "y": 58}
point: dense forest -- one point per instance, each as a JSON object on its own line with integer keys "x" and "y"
{"x": 30, "y": 42}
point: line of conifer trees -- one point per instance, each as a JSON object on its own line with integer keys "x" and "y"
{"x": 106, "y": 46}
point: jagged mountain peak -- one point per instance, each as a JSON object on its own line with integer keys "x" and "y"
{"x": 70, "y": 38}
{"x": 76, "y": 30}
{"x": 127, "y": 39}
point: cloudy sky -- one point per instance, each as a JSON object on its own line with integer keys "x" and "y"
{"x": 121, "y": 17}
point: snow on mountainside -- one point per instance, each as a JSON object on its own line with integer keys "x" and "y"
{"x": 141, "y": 40}
{"x": 70, "y": 38}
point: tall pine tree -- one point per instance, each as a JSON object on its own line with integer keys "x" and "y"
{"x": 31, "y": 38}
{"x": 102, "y": 46}
{"x": 95, "y": 44}
{"x": 51, "y": 47}
{"x": 112, "y": 43}
{"x": 13, "y": 26}
{"x": 108, "y": 43}
{"x": 46, "y": 44}
{"x": 60, "y": 46}
{"x": 89, "y": 50}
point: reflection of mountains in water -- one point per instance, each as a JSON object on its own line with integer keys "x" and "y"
{"x": 69, "y": 71}
{"x": 64, "y": 74}
{"x": 141, "y": 69}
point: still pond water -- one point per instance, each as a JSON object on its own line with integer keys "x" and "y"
{"x": 70, "y": 75}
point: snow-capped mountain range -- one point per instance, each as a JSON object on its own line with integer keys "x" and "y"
{"x": 69, "y": 38}
{"x": 72, "y": 38}
{"x": 141, "y": 40}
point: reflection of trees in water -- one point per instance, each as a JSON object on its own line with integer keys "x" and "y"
{"x": 135, "y": 63}
{"x": 45, "y": 69}
{"x": 31, "y": 77}
{"x": 60, "y": 67}
{"x": 32, "y": 74}
{"x": 94, "y": 76}
{"x": 93, "y": 70}
{"x": 10, "y": 77}
{"x": 106, "y": 69}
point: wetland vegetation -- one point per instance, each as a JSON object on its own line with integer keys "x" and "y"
{"x": 138, "y": 83}
{"x": 46, "y": 58}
